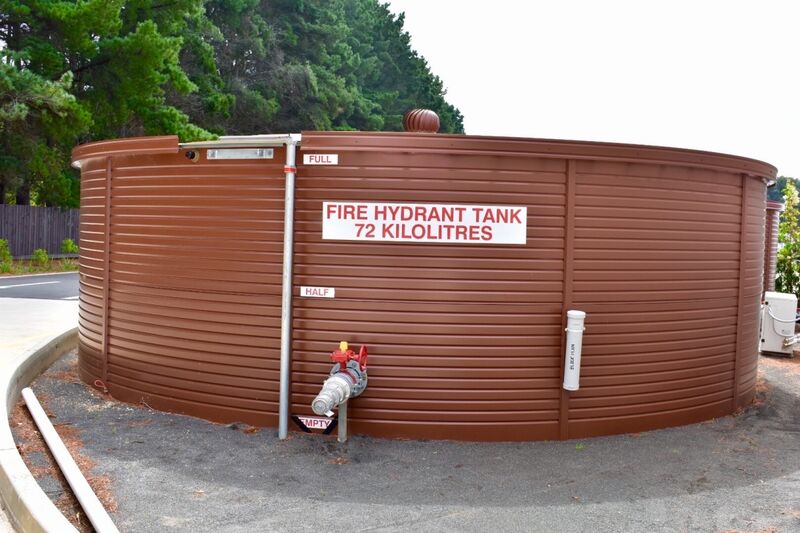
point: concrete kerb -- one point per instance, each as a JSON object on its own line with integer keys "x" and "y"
{"x": 15, "y": 276}
{"x": 28, "y": 507}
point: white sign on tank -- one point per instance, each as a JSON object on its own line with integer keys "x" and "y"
{"x": 320, "y": 159}
{"x": 430, "y": 223}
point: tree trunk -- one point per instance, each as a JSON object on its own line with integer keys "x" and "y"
{"x": 24, "y": 195}
{"x": 2, "y": 192}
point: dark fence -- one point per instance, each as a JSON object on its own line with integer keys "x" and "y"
{"x": 27, "y": 228}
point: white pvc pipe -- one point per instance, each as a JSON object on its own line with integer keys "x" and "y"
{"x": 286, "y": 291}
{"x": 88, "y": 499}
{"x": 572, "y": 357}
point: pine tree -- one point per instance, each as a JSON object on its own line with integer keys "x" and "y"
{"x": 77, "y": 71}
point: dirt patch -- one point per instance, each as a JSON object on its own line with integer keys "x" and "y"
{"x": 68, "y": 373}
{"x": 247, "y": 429}
{"x": 763, "y": 389}
{"x": 790, "y": 365}
{"x": 62, "y": 375}
{"x": 31, "y": 446}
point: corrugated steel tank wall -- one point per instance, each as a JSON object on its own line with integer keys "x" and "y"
{"x": 772, "y": 224}
{"x": 661, "y": 247}
{"x": 192, "y": 282}
{"x": 464, "y": 339}
{"x": 657, "y": 267}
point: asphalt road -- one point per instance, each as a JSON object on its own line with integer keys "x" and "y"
{"x": 41, "y": 287}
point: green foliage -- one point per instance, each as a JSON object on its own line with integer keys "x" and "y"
{"x": 312, "y": 65}
{"x": 40, "y": 257}
{"x": 775, "y": 191}
{"x": 787, "y": 277}
{"x": 77, "y": 71}
{"x": 6, "y": 261}
{"x": 40, "y": 121}
{"x": 68, "y": 246}
{"x": 5, "y": 252}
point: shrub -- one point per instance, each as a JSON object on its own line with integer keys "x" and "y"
{"x": 787, "y": 268}
{"x": 40, "y": 257}
{"x": 5, "y": 252}
{"x": 68, "y": 246}
{"x": 5, "y": 268}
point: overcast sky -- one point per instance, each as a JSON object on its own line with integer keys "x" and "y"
{"x": 704, "y": 74}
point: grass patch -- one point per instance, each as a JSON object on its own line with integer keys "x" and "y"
{"x": 18, "y": 267}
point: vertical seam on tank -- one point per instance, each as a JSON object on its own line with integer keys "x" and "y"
{"x": 767, "y": 237}
{"x": 107, "y": 272}
{"x": 770, "y": 252}
{"x": 569, "y": 246}
{"x": 740, "y": 298}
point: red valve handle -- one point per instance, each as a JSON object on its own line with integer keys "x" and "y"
{"x": 343, "y": 356}
{"x": 362, "y": 357}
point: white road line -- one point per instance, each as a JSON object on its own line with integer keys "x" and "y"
{"x": 70, "y": 298}
{"x": 28, "y": 284}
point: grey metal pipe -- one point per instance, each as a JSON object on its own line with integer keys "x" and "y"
{"x": 88, "y": 499}
{"x": 291, "y": 141}
{"x": 286, "y": 291}
{"x": 244, "y": 141}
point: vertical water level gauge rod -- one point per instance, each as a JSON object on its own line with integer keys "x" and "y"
{"x": 572, "y": 357}
{"x": 286, "y": 292}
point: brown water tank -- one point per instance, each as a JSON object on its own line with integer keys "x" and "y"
{"x": 181, "y": 278}
{"x": 773, "y": 219}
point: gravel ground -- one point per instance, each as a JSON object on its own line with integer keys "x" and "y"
{"x": 739, "y": 473}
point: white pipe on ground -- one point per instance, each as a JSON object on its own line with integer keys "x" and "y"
{"x": 88, "y": 499}
{"x": 572, "y": 357}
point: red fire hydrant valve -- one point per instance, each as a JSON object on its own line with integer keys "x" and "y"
{"x": 347, "y": 379}
{"x": 345, "y": 354}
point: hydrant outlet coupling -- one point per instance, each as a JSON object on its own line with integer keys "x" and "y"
{"x": 347, "y": 379}
{"x": 335, "y": 390}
